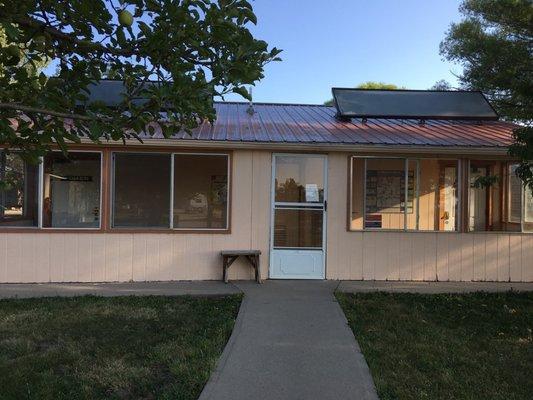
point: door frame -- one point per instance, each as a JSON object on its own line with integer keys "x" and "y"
{"x": 324, "y": 156}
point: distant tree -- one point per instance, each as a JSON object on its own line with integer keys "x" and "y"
{"x": 193, "y": 50}
{"x": 370, "y": 85}
{"x": 441, "y": 85}
{"x": 494, "y": 44}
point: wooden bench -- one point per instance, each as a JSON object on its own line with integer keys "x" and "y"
{"x": 229, "y": 257}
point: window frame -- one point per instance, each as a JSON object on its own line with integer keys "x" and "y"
{"x": 40, "y": 199}
{"x": 170, "y": 228}
{"x": 507, "y": 197}
{"x": 228, "y": 190}
{"x": 112, "y": 194}
{"x": 101, "y": 194}
{"x": 523, "y": 191}
{"x": 416, "y": 200}
{"x": 14, "y": 228}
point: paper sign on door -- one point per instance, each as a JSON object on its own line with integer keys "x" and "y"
{"x": 311, "y": 193}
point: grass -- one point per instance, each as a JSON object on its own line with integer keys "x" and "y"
{"x": 463, "y": 346}
{"x": 111, "y": 348}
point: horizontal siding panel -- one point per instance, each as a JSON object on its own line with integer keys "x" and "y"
{"x": 70, "y": 257}
{"x": 43, "y": 257}
{"x": 438, "y": 256}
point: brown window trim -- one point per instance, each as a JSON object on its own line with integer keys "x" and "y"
{"x": 106, "y": 177}
{"x": 441, "y": 158}
{"x": 463, "y": 163}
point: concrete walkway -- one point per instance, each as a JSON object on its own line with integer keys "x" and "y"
{"x": 196, "y": 288}
{"x": 290, "y": 341}
{"x": 431, "y": 287}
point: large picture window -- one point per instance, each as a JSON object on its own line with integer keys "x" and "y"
{"x": 141, "y": 197}
{"x": 71, "y": 190}
{"x": 186, "y": 191}
{"x": 404, "y": 194}
{"x": 519, "y": 202}
{"x": 200, "y": 191}
{"x": 497, "y": 199}
{"x": 19, "y": 191}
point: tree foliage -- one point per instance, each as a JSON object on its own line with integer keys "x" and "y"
{"x": 494, "y": 44}
{"x": 176, "y": 55}
{"x": 370, "y": 85}
{"x": 441, "y": 84}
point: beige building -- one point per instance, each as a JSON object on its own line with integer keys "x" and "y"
{"x": 323, "y": 194}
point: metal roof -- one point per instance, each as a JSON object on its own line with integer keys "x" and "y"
{"x": 316, "y": 124}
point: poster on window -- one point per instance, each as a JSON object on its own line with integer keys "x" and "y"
{"x": 385, "y": 191}
{"x": 311, "y": 193}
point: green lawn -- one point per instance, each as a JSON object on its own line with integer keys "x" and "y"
{"x": 111, "y": 348}
{"x": 465, "y": 346}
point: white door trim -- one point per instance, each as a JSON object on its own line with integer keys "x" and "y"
{"x": 299, "y": 206}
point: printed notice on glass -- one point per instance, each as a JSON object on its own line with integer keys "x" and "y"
{"x": 311, "y": 193}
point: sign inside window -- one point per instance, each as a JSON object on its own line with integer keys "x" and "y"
{"x": 311, "y": 193}
{"x": 385, "y": 191}
{"x": 373, "y": 221}
{"x": 72, "y": 178}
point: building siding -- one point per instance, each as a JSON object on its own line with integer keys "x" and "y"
{"x": 96, "y": 257}
{"x": 418, "y": 256}
{"x": 429, "y": 256}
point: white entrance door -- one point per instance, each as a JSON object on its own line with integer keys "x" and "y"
{"x": 299, "y": 202}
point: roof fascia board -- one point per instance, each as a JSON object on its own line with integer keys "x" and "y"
{"x": 456, "y": 150}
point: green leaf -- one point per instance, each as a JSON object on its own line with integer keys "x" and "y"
{"x": 11, "y": 31}
{"x": 243, "y": 92}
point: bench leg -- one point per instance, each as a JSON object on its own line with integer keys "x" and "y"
{"x": 224, "y": 269}
{"x": 257, "y": 269}
{"x": 226, "y": 262}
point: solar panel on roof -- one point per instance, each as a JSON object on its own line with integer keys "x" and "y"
{"x": 423, "y": 104}
{"x": 111, "y": 92}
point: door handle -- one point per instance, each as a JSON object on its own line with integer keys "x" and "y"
{"x": 325, "y": 205}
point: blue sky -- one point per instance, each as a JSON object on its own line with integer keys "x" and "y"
{"x": 346, "y": 42}
{"x": 343, "y": 43}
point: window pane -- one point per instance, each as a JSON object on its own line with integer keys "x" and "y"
{"x": 438, "y": 201}
{"x": 385, "y": 193}
{"x": 18, "y": 195}
{"x": 358, "y": 178}
{"x": 200, "y": 191}
{"x": 71, "y": 190}
{"x": 528, "y": 209}
{"x": 514, "y": 193}
{"x": 299, "y": 179}
{"x": 141, "y": 190}
{"x": 298, "y": 228}
{"x": 412, "y": 203}
{"x": 486, "y": 200}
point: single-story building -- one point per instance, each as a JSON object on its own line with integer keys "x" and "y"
{"x": 384, "y": 185}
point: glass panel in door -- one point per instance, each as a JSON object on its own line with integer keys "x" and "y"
{"x": 298, "y": 228}
{"x": 299, "y": 179}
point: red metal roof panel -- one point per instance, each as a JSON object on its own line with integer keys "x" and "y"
{"x": 297, "y": 123}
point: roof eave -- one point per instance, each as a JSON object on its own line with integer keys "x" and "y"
{"x": 327, "y": 147}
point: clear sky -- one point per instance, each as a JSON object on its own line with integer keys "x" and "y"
{"x": 345, "y": 42}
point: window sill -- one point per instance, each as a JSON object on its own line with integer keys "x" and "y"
{"x": 114, "y": 230}
{"x": 440, "y": 232}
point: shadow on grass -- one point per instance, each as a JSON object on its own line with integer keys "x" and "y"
{"x": 449, "y": 346}
{"x": 112, "y": 348}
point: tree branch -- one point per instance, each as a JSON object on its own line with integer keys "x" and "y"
{"x": 37, "y": 110}
{"x": 32, "y": 23}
